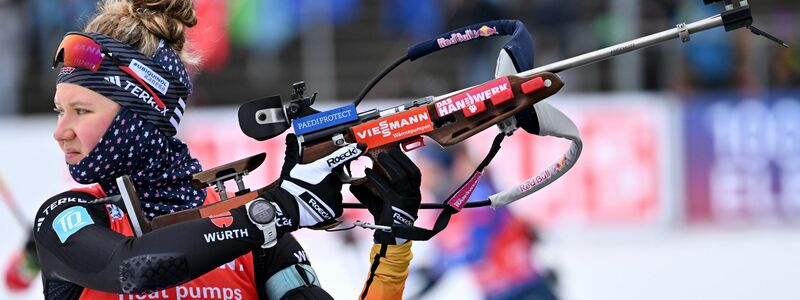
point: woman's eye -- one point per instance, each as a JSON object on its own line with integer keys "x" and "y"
{"x": 59, "y": 111}
{"x": 80, "y": 111}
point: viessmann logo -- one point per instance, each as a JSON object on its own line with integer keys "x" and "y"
{"x": 394, "y": 128}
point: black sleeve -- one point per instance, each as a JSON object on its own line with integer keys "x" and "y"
{"x": 75, "y": 243}
{"x": 287, "y": 252}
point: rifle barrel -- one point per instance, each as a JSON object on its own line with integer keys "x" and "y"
{"x": 611, "y": 51}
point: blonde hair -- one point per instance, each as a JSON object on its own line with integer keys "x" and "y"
{"x": 142, "y": 23}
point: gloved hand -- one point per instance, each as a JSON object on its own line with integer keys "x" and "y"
{"x": 398, "y": 197}
{"x": 309, "y": 194}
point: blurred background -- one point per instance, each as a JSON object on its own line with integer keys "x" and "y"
{"x": 688, "y": 186}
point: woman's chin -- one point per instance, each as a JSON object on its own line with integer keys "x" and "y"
{"x": 72, "y": 159}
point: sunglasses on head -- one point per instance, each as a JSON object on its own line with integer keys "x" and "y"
{"x": 79, "y": 50}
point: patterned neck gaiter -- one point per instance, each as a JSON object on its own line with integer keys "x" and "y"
{"x": 160, "y": 166}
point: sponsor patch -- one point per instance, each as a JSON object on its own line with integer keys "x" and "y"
{"x": 69, "y": 221}
{"x": 115, "y": 212}
{"x": 113, "y": 79}
{"x": 314, "y": 203}
{"x": 301, "y": 256}
{"x": 225, "y": 235}
{"x": 61, "y": 201}
{"x": 66, "y": 71}
{"x": 141, "y": 93}
{"x": 232, "y": 265}
{"x": 148, "y": 75}
{"x": 335, "y": 161}
{"x": 222, "y": 220}
{"x": 474, "y": 109}
{"x": 325, "y": 119}
{"x": 469, "y": 98}
{"x": 394, "y": 128}
{"x": 462, "y": 196}
{"x": 183, "y": 292}
{"x": 531, "y": 183}
{"x": 468, "y": 34}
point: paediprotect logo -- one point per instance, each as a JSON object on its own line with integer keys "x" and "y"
{"x": 394, "y": 128}
{"x": 325, "y": 119}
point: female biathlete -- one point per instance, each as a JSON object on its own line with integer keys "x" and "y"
{"x": 121, "y": 91}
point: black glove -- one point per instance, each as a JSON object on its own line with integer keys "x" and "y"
{"x": 309, "y": 194}
{"x": 398, "y": 198}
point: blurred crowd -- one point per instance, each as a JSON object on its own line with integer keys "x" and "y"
{"x": 254, "y": 48}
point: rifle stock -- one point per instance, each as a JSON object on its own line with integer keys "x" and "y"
{"x": 446, "y": 130}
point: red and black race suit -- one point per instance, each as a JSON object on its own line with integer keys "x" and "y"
{"x": 87, "y": 251}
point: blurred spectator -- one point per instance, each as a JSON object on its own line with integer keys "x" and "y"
{"x": 23, "y": 267}
{"x": 210, "y": 37}
{"x": 481, "y": 55}
{"x": 493, "y": 243}
{"x": 420, "y": 19}
{"x": 251, "y": 46}
{"x": 10, "y": 51}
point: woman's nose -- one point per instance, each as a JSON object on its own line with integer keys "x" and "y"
{"x": 63, "y": 131}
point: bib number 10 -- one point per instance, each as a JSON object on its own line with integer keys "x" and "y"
{"x": 69, "y": 221}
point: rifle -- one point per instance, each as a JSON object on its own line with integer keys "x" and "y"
{"x": 510, "y": 101}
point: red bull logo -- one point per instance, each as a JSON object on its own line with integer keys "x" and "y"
{"x": 561, "y": 163}
{"x": 485, "y": 31}
{"x": 468, "y": 34}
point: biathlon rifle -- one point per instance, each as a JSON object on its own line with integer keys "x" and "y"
{"x": 510, "y": 101}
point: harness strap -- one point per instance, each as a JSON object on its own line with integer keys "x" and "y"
{"x": 289, "y": 279}
{"x": 453, "y": 204}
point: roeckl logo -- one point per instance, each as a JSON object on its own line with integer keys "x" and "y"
{"x": 311, "y": 201}
{"x": 336, "y": 160}
{"x": 398, "y": 217}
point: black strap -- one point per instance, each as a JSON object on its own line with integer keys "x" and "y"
{"x": 375, "y": 263}
{"x": 453, "y": 204}
{"x": 520, "y": 41}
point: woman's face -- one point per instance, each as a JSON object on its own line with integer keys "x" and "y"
{"x": 83, "y": 118}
